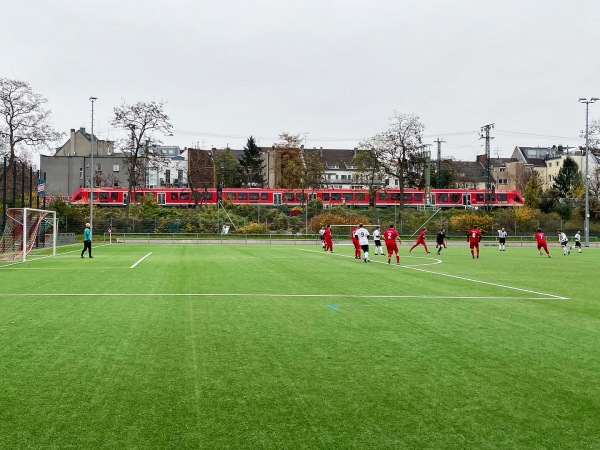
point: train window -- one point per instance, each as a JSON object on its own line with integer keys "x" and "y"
{"x": 95, "y": 196}
{"x": 336, "y": 196}
{"x": 300, "y": 197}
{"x": 230, "y": 196}
{"x": 104, "y": 196}
{"x": 78, "y": 196}
{"x": 253, "y": 195}
{"x": 185, "y": 196}
{"x": 502, "y": 197}
{"x": 173, "y": 196}
{"x": 418, "y": 197}
{"x": 360, "y": 196}
{"x": 383, "y": 196}
{"x": 489, "y": 197}
{"x": 442, "y": 198}
{"x": 395, "y": 196}
{"x": 325, "y": 196}
{"x": 288, "y": 197}
{"x": 516, "y": 198}
{"x": 138, "y": 196}
{"x": 114, "y": 195}
{"x": 264, "y": 196}
{"x": 243, "y": 196}
{"x": 207, "y": 196}
{"x": 479, "y": 197}
{"x": 408, "y": 196}
{"x": 455, "y": 198}
{"x": 348, "y": 196}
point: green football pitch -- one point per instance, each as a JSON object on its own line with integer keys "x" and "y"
{"x": 287, "y": 347}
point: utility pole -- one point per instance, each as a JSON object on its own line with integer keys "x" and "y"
{"x": 92, "y": 170}
{"x": 488, "y": 184}
{"x": 438, "y": 183}
{"x": 426, "y": 154}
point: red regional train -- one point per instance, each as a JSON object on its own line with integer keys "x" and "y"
{"x": 447, "y": 198}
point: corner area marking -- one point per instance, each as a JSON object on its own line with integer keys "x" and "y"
{"x": 140, "y": 260}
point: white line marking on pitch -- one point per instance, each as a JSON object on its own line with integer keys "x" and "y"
{"x": 370, "y": 296}
{"x": 140, "y": 260}
{"x": 438, "y": 261}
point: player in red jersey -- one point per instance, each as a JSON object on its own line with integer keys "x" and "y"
{"x": 328, "y": 239}
{"x": 541, "y": 242}
{"x": 357, "y": 250}
{"x": 421, "y": 241}
{"x": 390, "y": 236}
{"x": 474, "y": 236}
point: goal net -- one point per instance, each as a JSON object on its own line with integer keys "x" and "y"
{"x": 28, "y": 230}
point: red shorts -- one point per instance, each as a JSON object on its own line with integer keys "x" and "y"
{"x": 473, "y": 244}
{"x": 391, "y": 248}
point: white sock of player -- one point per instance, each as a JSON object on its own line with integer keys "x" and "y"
{"x": 366, "y": 256}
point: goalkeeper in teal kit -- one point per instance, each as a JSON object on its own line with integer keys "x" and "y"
{"x": 87, "y": 241}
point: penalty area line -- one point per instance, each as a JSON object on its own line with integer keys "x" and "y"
{"x": 528, "y": 291}
{"x": 438, "y": 261}
{"x": 140, "y": 260}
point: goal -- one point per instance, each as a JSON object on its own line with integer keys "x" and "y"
{"x": 28, "y": 229}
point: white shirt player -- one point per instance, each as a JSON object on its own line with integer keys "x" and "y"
{"x": 502, "y": 233}
{"x": 562, "y": 238}
{"x": 363, "y": 236}
{"x": 376, "y": 234}
{"x": 577, "y": 237}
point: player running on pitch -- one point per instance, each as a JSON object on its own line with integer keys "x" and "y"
{"x": 540, "y": 237}
{"x": 390, "y": 236}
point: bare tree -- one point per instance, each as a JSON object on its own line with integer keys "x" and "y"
{"x": 593, "y": 134}
{"x": 201, "y": 174}
{"x": 397, "y": 149}
{"x": 142, "y": 121}
{"x": 24, "y": 119}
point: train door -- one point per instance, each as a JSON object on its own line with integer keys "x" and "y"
{"x": 432, "y": 199}
{"x": 162, "y": 198}
{"x": 466, "y": 199}
{"x": 277, "y": 198}
{"x": 125, "y": 194}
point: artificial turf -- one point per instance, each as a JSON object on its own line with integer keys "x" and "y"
{"x": 284, "y": 346}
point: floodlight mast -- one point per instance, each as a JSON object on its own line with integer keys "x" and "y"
{"x": 92, "y": 99}
{"x": 587, "y": 177}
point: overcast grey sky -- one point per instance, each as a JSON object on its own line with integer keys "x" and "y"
{"x": 333, "y": 71}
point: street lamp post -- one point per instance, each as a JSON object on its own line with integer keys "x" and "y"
{"x": 587, "y": 177}
{"x": 92, "y": 99}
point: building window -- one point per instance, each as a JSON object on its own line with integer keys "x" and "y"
{"x": 167, "y": 176}
{"x": 502, "y": 169}
{"x": 115, "y": 167}
{"x": 81, "y": 173}
{"x": 180, "y": 174}
{"x": 503, "y": 181}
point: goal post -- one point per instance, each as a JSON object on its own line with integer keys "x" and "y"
{"x": 27, "y": 229}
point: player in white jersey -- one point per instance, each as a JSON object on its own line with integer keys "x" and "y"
{"x": 564, "y": 242}
{"x": 377, "y": 241}
{"x": 501, "y": 239}
{"x": 577, "y": 241}
{"x": 363, "y": 239}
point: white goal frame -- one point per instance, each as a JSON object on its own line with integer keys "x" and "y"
{"x": 26, "y": 235}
